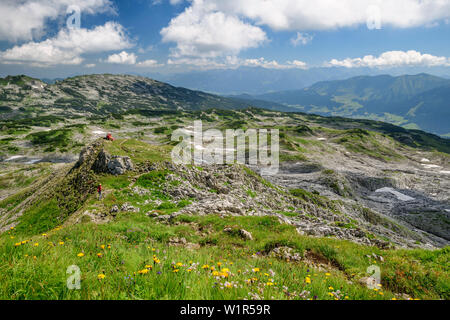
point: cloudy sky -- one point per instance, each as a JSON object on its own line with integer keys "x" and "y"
{"x": 56, "y": 38}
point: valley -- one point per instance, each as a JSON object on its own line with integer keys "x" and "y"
{"x": 349, "y": 194}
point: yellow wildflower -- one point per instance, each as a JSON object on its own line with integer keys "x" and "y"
{"x": 81, "y": 254}
{"x": 101, "y": 276}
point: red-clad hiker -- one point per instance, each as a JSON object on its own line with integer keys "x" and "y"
{"x": 99, "y": 191}
{"x": 109, "y": 137}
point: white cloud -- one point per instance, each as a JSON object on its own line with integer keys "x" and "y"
{"x": 331, "y": 14}
{"x": 122, "y": 58}
{"x": 233, "y": 62}
{"x": 214, "y": 28}
{"x": 201, "y": 31}
{"x": 261, "y": 62}
{"x": 201, "y": 62}
{"x": 24, "y": 19}
{"x": 149, "y": 64}
{"x": 298, "y": 64}
{"x": 392, "y": 59}
{"x": 131, "y": 59}
{"x": 146, "y": 49}
{"x": 68, "y": 46}
{"x": 301, "y": 38}
{"x": 90, "y": 65}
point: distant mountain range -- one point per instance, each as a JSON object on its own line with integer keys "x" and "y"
{"x": 256, "y": 80}
{"x": 413, "y": 102}
{"x": 418, "y": 102}
{"x": 102, "y": 94}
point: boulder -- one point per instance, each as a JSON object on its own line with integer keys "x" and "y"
{"x": 114, "y": 209}
{"x": 115, "y": 165}
{"x": 128, "y": 208}
{"x": 245, "y": 234}
{"x": 285, "y": 253}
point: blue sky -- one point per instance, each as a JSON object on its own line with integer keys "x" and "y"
{"x": 167, "y": 36}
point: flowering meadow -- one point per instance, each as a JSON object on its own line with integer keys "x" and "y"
{"x": 136, "y": 258}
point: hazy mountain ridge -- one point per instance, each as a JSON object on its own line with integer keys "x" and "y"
{"x": 418, "y": 101}
{"x": 100, "y": 94}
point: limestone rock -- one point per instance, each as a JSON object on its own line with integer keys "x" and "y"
{"x": 114, "y": 165}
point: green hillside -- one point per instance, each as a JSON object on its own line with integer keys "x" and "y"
{"x": 419, "y": 102}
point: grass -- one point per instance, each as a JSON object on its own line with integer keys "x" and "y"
{"x": 43, "y": 216}
{"x": 133, "y": 255}
{"x": 59, "y": 138}
{"x": 368, "y": 143}
{"x": 152, "y": 179}
{"x": 309, "y": 197}
{"x": 139, "y": 151}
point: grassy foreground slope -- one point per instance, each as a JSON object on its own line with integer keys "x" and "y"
{"x": 130, "y": 255}
{"x": 131, "y": 259}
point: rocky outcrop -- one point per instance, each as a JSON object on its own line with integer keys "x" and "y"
{"x": 244, "y": 234}
{"x": 94, "y": 157}
{"x": 115, "y": 165}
